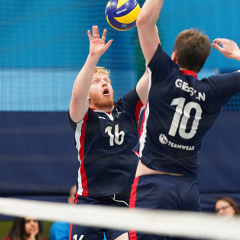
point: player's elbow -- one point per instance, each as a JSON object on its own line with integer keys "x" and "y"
{"x": 75, "y": 95}
{"x": 75, "y": 114}
{"x": 142, "y": 20}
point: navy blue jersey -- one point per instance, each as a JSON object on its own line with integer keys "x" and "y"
{"x": 104, "y": 142}
{"x": 179, "y": 112}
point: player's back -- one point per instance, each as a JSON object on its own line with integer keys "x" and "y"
{"x": 180, "y": 111}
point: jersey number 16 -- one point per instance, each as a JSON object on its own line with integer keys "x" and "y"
{"x": 118, "y": 137}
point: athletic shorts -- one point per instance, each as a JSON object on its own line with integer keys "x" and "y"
{"x": 92, "y": 233}
{"x": 167, "y": 192}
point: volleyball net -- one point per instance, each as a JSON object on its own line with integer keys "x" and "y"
{"x": 166, "y": 223}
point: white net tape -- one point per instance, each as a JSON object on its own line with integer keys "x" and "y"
{"x": 181, "y": 224}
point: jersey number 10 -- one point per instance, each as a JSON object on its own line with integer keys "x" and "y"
{"x": 185, "y": 111}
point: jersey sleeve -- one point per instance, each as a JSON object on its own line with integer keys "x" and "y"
{"x": 226, "y": 86}
{"x": 72, "y": 123}
{"x": 89, "y": 113}
{"x": 132, "y": 104}
{"x": 161, "y": 65}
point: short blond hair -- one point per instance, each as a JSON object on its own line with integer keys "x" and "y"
{"x": 102, "y": 70}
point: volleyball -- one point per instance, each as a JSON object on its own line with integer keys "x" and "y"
{"x": 122, "y": 14}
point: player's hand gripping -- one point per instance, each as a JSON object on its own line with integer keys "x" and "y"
{"x": 97, "y": 44}
{"x": 227, "y": 47}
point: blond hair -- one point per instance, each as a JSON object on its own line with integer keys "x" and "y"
{"x": 102, "y": 70}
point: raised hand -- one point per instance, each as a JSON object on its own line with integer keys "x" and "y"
{"x": 227, "y": 47}
{"x": 97, "y": 44}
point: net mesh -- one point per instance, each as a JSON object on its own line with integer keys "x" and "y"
{"x": 44, "y": 44}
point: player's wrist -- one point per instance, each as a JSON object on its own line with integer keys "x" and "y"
{"x": 93, "y": 58}
{"x": 238, "y": 56}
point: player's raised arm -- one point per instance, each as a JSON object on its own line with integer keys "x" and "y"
{"x": 227, "y": 47}
{"x": 79, "y": 102}
{"x": 146, "y": 25}
{"x": 142, "y": 87}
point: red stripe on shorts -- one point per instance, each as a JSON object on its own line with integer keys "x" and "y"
{"x": 70, "y": 229}
{"x": 132, "y": 202}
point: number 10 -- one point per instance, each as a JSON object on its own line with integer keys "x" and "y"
{"x": 185, "y": 111}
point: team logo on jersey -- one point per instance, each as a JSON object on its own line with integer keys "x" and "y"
{"x": 163, "y": 139}
{"x": 101, "y": 117}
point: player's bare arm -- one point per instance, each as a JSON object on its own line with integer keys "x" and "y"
{"x": 146, "y": 25}
{"x": 142, "y": 87}
{"x": 79, "y": 102}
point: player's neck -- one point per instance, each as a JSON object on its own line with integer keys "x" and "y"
{"x": 103, "y": 109}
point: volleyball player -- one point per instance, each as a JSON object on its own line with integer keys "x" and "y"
{"x": 105, "y": 134}
{"x": 179, "y": 111}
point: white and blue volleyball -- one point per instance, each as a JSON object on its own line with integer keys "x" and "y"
{"x": 122, "y": 14}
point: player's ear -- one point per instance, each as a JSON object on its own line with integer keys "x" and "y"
{"x": 89, "y": 99}
{"x": 174, "y": 57}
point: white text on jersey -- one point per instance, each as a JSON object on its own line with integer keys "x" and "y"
{"x": 184, "y": 86}
{"x": 164, "y": 140}
{"x": 175, "y": 145}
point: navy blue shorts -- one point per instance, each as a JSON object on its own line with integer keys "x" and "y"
{"x": 167, "y": 192}
{"x": 92, "y": 233}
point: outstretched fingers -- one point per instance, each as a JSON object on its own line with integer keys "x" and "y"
{"x": 95, "y": 31}
{"x": 97, "y": 44}
{"x": 104, "y": 35}
{"x": 227, "y": 47}
{"x": 89, "y": 35}
{"x": 216, "y": 46}
{"x": 108, "y": 44}
{"x": 217, "y": 42}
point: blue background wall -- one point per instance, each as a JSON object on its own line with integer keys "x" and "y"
{"x": 216, "y": 18}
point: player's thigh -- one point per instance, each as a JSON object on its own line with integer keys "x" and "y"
{"x": 86, "y": 233}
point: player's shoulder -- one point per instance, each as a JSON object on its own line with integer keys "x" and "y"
{"x": 130, "y": 99}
